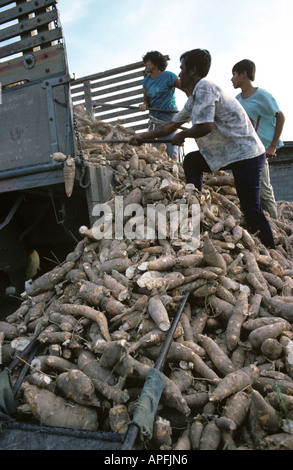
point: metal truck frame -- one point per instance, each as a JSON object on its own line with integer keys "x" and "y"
{"x": 37, "y": 120}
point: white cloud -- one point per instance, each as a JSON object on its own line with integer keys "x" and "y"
{"x": 74, "y": 10}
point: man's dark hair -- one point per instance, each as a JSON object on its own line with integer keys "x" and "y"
{"x": 200, "y": 58}
{"x": 157, "y": 59}
{"x": 247, "y": 66}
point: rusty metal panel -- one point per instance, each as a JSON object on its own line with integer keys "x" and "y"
{"x": 50, "y": 61}
{"x": 23, "y": 141}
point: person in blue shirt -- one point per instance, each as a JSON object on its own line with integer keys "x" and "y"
{"x": 159, "y": 93}
{"x": 267, "y": 119}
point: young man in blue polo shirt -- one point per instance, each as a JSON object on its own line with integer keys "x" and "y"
{"x": 267, "y": 119}
{"x": 225, "y": 138}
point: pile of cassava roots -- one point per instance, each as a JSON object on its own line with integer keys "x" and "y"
{"x": 103, "y": 314}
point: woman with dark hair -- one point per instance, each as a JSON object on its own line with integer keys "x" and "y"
{"x": 159, "y": 93}
{"x": 225, "y": 138}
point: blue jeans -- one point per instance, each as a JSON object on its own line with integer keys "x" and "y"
{"x": 247, "y": 177}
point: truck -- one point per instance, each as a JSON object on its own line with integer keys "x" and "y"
{"x": 38, "y": 216}
{"x": 38, "y": 220}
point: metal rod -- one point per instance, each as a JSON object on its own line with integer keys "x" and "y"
{"x": 25, "y": 369}
{"x": 30, "y": 170}
{"x": 25, "y": 351}
{"x": 136, "y": 108}
{"x": 125, "y": 141}
{"x": 130, "y": 437}
{"x": 161, "y": 360}
{"x": 133, "y": 429}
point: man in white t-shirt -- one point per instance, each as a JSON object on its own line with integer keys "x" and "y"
{"x": 267, "y": 120}
{"x": 225, "y": 138}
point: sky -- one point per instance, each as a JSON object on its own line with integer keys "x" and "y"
{"x": 105, "y": 34}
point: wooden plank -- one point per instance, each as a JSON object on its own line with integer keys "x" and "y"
{"x": 137, "y": 119}
{"x": 24, "y": 9}
{"x": 28, "y": 25}
{"x": 109, "y": 73}
{"x": 3, "y": 3}
{"x": 117, "y": 113}
{"x": 140, "y": 128}
{"x": 121, "y": 78}
{"x": 33, "y": 41}
{"x": 76, "y": 89}
{"x": 76, "y": 98}
{"x": 108, "y": 99}
{"x": 81, "y": 89}
{"x": 131, "y": 102}
{"x": 123, "y": 120}
{"x": 133, "y": 126}
{"x": 88, "y": 98}
{"x": 120, "y": 96}
{"x": 126, "y": 107}
{"x": 44, "y": 27}
{"x": 114, "y": 89}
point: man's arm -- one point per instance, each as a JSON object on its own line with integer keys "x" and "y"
{"x": 195, "y": 132}
{"x": 280, "y": 121}
{"x": 164, "y": 130}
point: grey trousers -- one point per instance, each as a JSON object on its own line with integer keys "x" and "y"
{"x": 267, "y": 197}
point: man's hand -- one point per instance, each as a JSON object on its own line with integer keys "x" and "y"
{"x": 135, "y": 140}
{"x": 178, "y": 139}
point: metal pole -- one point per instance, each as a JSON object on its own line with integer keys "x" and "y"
{"x": 161, "y": 360}
{"x": 133, "y": 430}
{"x": 125, "y": 141}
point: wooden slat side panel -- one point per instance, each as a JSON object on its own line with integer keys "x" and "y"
{"x": 108, "y": 91}
{"x": 119, "y": 79}
{"x": 24, "y": 9}
{"x": 31, "y": 42}
{"x": 109, "y": 73}
{"x": 120, "y": 96}
{"x": 115, "y": 89}
{"x": 140, "y": 128}
{"x": 3, "y": 3}
{"x": 131, "y": 102}
{"x": 28, "y": 25}
{"x": 119, "y": 114}
{"x": 125, "y": 120}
